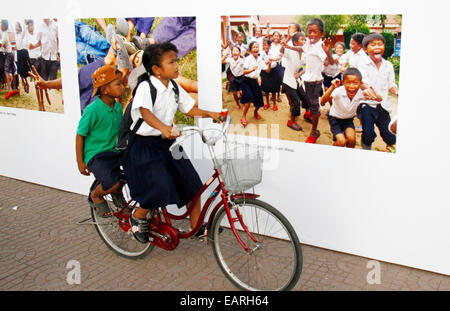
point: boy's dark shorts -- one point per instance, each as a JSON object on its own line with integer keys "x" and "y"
{"x": 49, "y": 69}
{"x": 106, "y": 168}
{"x": 338, "y": 126}
{"x": 313, "y": 92}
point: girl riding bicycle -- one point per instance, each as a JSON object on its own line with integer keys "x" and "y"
{"x": 154, "y": 176}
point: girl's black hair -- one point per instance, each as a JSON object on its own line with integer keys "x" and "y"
{"x": 252, "y": 44}
{"x": 268, "y": 41}
{"x": 297, "y": 26}
{"x": 152, "y": 57}
{"x": 237, "y": 47}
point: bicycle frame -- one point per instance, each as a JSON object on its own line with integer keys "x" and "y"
{"x": 220, "y": 189}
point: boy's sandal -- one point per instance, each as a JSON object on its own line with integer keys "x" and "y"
{"x": 275, "y": 108}
{"x": 266, "y": 107}
{"x": 294, "y": 126}
{"x": 244, "y": 122}
{"x": 390, "y": 149}
{"x": 101, "y": 209}
{"x": 312, "y": 139}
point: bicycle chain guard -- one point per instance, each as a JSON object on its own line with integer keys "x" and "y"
{"x": 169, "y": 236}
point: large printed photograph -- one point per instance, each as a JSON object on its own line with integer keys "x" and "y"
{"x": 120, "y": 42}
{"x": 320, "y": 79}
{"x": 30, "y": 75}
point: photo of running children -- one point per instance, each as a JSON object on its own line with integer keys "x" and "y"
{"x": 30, "y": 76}
{"x": 318, "y": 79}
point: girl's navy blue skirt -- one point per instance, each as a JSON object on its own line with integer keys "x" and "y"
{"x": 157, "y": 178}
{"x": 251, "y": 92}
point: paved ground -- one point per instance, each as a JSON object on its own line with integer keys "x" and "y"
{"x": 39, "y": 238}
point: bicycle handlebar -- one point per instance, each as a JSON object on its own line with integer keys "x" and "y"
{"x": 196, "y": 129}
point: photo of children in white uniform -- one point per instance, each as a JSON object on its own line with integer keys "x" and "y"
{"x": 30, "y": 65}
{"x": 311, "y": 58}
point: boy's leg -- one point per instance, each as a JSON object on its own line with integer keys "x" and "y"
{"x": 350, "y": 136}
{"x": 382, "y": 123}
{"x": 340, "y": 140}
{"x": 368, "y": 116}
{"x": 312, "y": 91}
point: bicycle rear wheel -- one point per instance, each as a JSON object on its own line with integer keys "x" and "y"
{"x": 273, "y": 262}
{"x": 116, "y": 234}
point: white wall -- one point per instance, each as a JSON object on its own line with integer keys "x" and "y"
{"x": 390, "y": 207}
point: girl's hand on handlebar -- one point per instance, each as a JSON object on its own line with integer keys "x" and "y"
{"x": 216, "y": 116}
{"x": 170, "y": 132}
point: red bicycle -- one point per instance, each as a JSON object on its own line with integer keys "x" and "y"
{"x": 254, "y": 244}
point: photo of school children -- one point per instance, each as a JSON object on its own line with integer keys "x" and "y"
{"x": 30, "y": 76}
{"x": 318, "y": 79}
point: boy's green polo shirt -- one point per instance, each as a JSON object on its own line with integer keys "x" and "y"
{"x": 99, "y": 125}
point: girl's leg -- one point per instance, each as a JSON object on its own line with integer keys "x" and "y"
{"x": 245, "y": 110}
{"x": 275, "y": 107}
{"x": 267, "y": 105}
{"x": 236, "y": 99}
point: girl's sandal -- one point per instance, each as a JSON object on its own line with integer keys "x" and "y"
{"x": 275, "y": 108}
{"x": 244, "y": 122}
{"x": 257, "y": 116}
{"x": 266, "y": 107}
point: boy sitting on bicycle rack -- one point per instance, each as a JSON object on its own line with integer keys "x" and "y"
{"x": 96, "y": 138}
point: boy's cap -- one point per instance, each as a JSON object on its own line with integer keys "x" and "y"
{"x": 103, "y": 76}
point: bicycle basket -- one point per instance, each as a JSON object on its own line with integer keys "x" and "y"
{"x": 241, "y": 168}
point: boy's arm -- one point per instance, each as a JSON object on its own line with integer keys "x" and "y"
{"x": 327, "y": 96}
{"x": 79, "y": 149}
{"x": 326, "y": 45}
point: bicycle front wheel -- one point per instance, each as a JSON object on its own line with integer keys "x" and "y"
{"x": 115, "y": 232}
{"x": 274, "y": 260}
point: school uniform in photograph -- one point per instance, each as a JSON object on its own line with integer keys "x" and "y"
{"x": 291, "y": 86}
{"x": 343, "y": 110}
{"x": 34, "y": 54}
{"x": 353, "y": 58}
{"x": 155, "y": 177}
{"x": 8, "y": 62}
{"x": 22, "y": 57}
{"x": 331, "y": 72}
{"x": 275, "y": 52}
{"x": 251, "y": 90}
{"x": 236, "y": 71}
{"x": 314, "y": 56}
{"x": 371, "y": 111}
{"x": 48, "y": 35}
{"x": 270, "y": 81}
